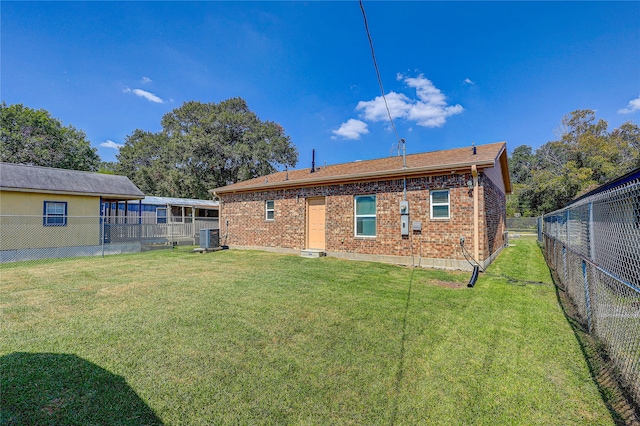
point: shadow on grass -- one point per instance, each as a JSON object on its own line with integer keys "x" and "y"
{"x": 621, "y": 407}
{"x": 63, "y": 389}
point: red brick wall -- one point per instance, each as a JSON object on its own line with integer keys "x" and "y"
{"x": 494, "y": 214}
{"x": 248, "y": 226}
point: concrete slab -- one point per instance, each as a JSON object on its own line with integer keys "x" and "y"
{"x": 312, "y": 253}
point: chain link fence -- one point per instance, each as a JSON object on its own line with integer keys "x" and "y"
{"x": 593, "y": 245}
{"x": 30, "y": 238}
{"x": 522, "y": 225}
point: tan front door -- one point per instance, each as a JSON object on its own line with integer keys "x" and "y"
{"x": 315, "y": 225}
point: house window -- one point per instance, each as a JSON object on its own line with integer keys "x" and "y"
{"x": 161, "y": 215}
{"x": 440, "y": 204}
{"x": 365, "y": 215}
{"x": 55, "y": 213}
{"x": 270, "y": 211}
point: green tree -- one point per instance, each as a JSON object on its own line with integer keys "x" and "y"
{"x": 145, "y": 159}
{"x": 627, "y": 137}
{"x": 521, "y": 163}
{"x": 203, "y": 146}
{"x": 586, "y": 155}
{"x": 107, "y": 167}
{"x": 33, "y": 137}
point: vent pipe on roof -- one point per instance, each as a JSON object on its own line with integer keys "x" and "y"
{"x": 473, "y": 145}
{"x": 313, "y": 160}
{"x": 404, "y": 153}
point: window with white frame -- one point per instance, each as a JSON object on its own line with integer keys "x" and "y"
{"x": 365, "y": 215}
{"x": 161, "y": 215}
{"x": 270, "y": 211}
{"x": 440, "y": 204}
{"x": 55, "y": 213}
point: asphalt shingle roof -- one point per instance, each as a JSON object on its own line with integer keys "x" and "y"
{"x": 20, "y": 177}
{"x": 428, "y": 162}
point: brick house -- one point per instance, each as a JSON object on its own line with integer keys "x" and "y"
{"x": 379, "y": 210}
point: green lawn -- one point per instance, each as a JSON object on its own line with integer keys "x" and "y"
{"x": 241, "y": 337}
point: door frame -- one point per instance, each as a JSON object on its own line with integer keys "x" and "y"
{"x": 308, "y": 221}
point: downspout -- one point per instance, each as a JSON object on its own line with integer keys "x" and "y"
{"x": 476, "y": 215}
{"x": 404, "y": 166}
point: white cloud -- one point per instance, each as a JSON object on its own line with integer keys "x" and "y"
{"x": 430, "y": 109}
{"x": 634, "y": 105}
{"x": 468, "y": 81}
{"x": 375, "y": 110}
{"x": 111, "y": 144}
{"x": 144, "y": 94}
{"x": 352, "y": 129}
{"x": 146, "y": 80}
{"x": 427, "y": 115}
{"x": 425, "y": 89}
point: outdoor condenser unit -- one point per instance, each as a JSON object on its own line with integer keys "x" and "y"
{"x": 209, "y": 238}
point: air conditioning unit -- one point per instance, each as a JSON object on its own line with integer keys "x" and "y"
{"x": 209, "y": 238}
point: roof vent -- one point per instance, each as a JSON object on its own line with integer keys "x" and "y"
{"x": 313, "y": 160}
{"x": 473, "y": 145}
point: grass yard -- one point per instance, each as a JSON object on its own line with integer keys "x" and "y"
{"x": 241, "y": 337}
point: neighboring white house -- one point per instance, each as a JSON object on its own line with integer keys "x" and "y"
{"x": 163, "y": 219}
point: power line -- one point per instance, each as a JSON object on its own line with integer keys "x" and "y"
{"x": 375, "y": 65}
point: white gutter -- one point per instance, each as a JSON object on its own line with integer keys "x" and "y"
{"x": 476, "y": 214}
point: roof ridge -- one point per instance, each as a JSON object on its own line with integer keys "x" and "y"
{"x": 424, "y": 162}
{"x": 55, "y": 168}
{"x": 392, "y": 156}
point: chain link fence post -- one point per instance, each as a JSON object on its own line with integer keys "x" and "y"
{"x": 103, "y": 236}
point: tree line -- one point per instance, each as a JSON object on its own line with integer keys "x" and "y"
{"x": 207, "y": 145}
{"x": 201, "y": 146}
{"x": 586, "y": 155}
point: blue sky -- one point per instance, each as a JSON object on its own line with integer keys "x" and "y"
{"x": 453, "y": 72}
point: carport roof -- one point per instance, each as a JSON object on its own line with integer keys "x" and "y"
{"x": 187, "y": 202}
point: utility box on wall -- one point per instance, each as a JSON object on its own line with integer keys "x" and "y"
{"x": 404, "y": 218}
{"x": 209, "y": 238}
{"x": 404, "y": 224}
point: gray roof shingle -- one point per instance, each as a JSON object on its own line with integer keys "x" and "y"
{"x": 20, "y": 177}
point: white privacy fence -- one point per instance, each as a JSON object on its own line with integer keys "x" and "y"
{"x": 24, "y": 238}
{"x": 594, "y": 247}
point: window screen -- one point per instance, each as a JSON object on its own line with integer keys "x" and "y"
{"x": 365, "y": 216}
{"x": 55, "y": 213}
{"x": 270, "y": 210}
{"x": 440, "y": 204}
